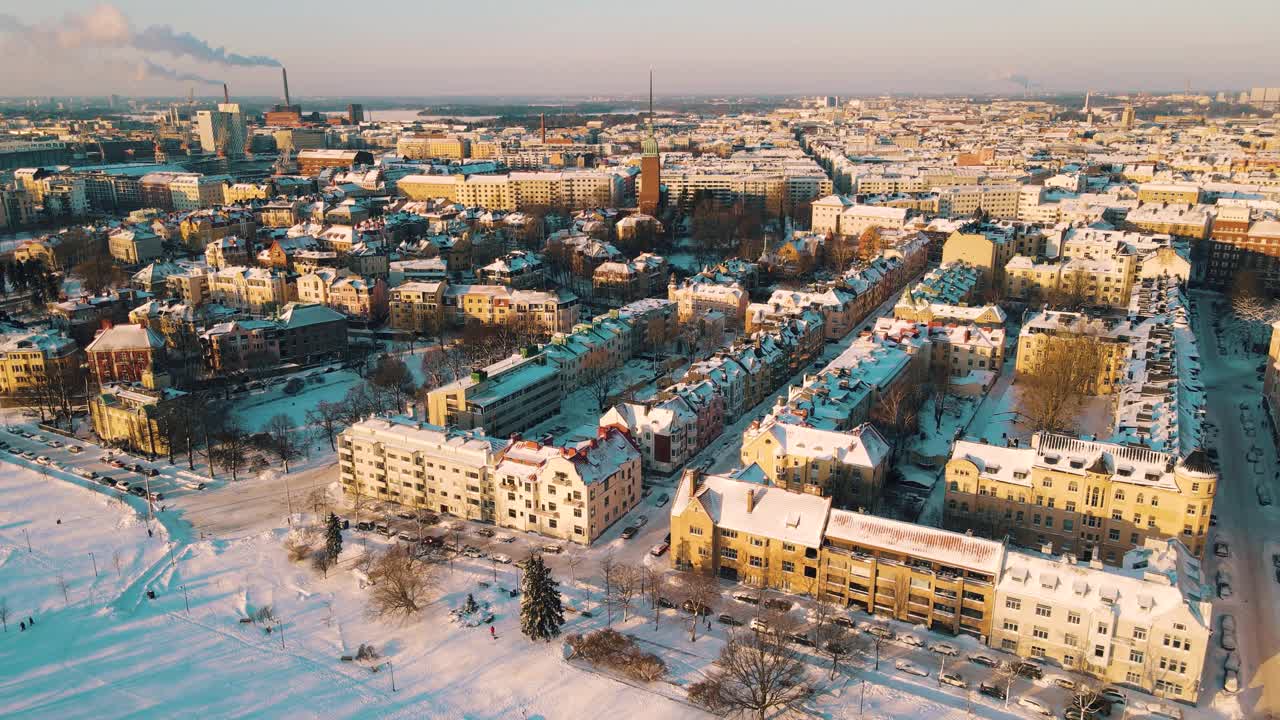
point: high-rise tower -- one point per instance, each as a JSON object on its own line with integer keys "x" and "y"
{"x": 650, "y": 164}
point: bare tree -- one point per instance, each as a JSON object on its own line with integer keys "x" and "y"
{"x": 896, "y": 416}
{"x": 656, "y": 586}
{"x": 573, "y": 559}
{"x": 281, "y": 439}
{"x": 756, "y": 674}
{"x": 700, "y": 589}
{"x": 326, "y": 418}
{"x": 602, "y": 386}
{"x": 625, "y": 586}
{"x": 301, "y": 544}
{"x": 66, "y": 588}
{"x": 837, "y": 643}
{"x": 608, "y": 568}
{"x": 401, "y": 584}
{"x": 1055, "y": 385}
{"x": 232, "y": 451}
{"x": 322, "y": 561}
{"x": 4, "y": 613}
{"x": 878, "y": 640}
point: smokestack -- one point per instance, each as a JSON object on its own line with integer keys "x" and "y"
{"x": 542, "y": 125}
{"x": 285, "y": 74}
{"x": 751, "y": 500}
{"x": 226, "y": 96}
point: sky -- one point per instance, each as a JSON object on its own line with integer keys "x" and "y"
{"x": 576, "y": 48}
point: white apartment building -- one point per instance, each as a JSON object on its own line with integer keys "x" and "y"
{"x": 1146, "y": 624}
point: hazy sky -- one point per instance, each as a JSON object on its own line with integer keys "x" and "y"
{"x": 582, "y": 47}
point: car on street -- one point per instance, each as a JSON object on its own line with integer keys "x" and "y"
{"x": 28, "y": 455}
{"x": 910, "y": 668}
{"x": 44, "y": 460}
{"x": 75, "y": 449}
{"x": 1115, "y": 696}
{"x": 746, "y": 598}
{"x": 991, "y": 690}
{"x": 384, "y": 530}
{"x": 663, "y": 499}
{"x": 778, "y": 604}
{"x": 881, "y": 632}
{"x": 727, "y": 619}
{"x": 844, "y": 622}
{"x": 694, "y": 608}
{"x": 473, "y": 552}
{"x": 659, "y": 549}
{"x": 800, "y": 638}
{"x": 551, "y": 549}
{"x": 952, "y": 679}
{"x": 364, "y": 525}
{"x": 641, "y": 520}
{"x": 1065, "y": 683}
{"x": 1035, "y": 706}
{"x": 1221, "y": 550}
{"x": 1231, "y": 681}
{"x": 943, "y": 648}
{"x": 1028, "y": 670}
{"x": 501, "y": 558}
{"x": 629, "y": 532}
{"x": 53, "y": 443}
{"x": 980, "y": 659}
{"x": 485, "y": 532}
{"x": 909, "y": 639}
{"x": 117, "y": 463}
{"x": 666, "y": 603}
{"x": 1264, "y": 495}
{"x": 407, "y": 536}
{"x": 759, "y": 625}
{"x": 1232, "y": 662}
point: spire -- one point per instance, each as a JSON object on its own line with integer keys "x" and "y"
{"x": 649, "y": 146}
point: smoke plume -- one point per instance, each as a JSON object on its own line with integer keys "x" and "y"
{"x": 106, "y": 26}
{"x": 147, "y": 69}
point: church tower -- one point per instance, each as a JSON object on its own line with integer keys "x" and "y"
{"x": 650, "y": 165}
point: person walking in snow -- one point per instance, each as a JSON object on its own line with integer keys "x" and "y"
{"x": 23, "y": 627}
{"x": 31, "y": 621}
{"x": 492, "y": 633}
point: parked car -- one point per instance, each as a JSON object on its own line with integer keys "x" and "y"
{"x": 116, "y": 463}
{"x": 384, "y": 530}
{"x": 800, "y": 638}
{"x": 1275, "y": 560}
{"x": 551, "y": 549}
{"x": 1231, "y": 681}
{"x": 881, "y": 632}
{"x": 991, "y": 691}
{"x": 980, "y": 659}
{"x": 641, "y": 520}
{"x": 844, "y": 622}
{"x": 1028, "y": 670}
{"x": 364, "y": 525}
{"x": 726, "y": 619}
{"x": 137, "y": 490}
{"x": 501, "y": 558}
{"x": 952, "y": 679}
{"x": 909, "y": 639}
{"x": 406, "y": 515}
{"x": 663, "y": 499}
{"x": 123, "y": 485}
{"x": 1113, "y": 695}
{"x": 666, "y": 603}
{"x": 910, "y": 668}
{"x": 779, "y": 604}
{"x": 1035, "y": 706}
{"x": 1221, "y": 550}
{"x": 473, "y": 552}
{"x": 485, "y": 532}
{"x": 943, "y": 648}
{"x": 1264, "y": 495}
{"x": 74, "y": 449}
{"x": 44, "y": 460}
{"x": 407, "y": 537}
{"x": 629, "y": 532}
{"x": 691, "y": 607}
{"x": 659, "y": 549}
{"x": 53, "y": 443}
{"x": 1232, "y": 662}
{"x": 759, "y": 625}
{"x": 1065, "y": 683}
{"x": 746, "y": 598}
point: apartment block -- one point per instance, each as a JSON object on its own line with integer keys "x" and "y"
{"x": 849, "y": 467}
{"x": 509, "y": 396}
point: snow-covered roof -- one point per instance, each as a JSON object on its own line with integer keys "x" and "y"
{"x": 125, "y": 337}
{"x": 942, "y": 546}
{"x": 775, "y": 513}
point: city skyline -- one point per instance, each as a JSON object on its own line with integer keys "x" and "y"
{"x": 148, "y": 48}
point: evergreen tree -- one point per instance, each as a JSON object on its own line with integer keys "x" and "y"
{"x": 333, "y": 538}
{"x": 541, "y": 614}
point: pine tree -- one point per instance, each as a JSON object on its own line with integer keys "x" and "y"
{"x": 540, "y": 612}
{"x": 333, "y": 538}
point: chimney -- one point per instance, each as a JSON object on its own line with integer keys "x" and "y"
{"x": 285, "y": 74}
{"x": 690, "y": 480}
{"x": 226, "y": 96}
{"x": 751, "y": 499}
{"x": 542, "y": 126}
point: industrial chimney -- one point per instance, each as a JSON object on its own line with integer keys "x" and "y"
{"x": 226, "y": 96}
{"x": 285, "y": 74}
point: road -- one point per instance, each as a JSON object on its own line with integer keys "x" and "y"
{"x": 1251, "y": 531}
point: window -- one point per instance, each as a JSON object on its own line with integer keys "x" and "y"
{"x": 694, "y": 530}
{"x": 1039, "y": 632}
{"x": 729, "y": 553}
{"x": 1037, "y": 651}
{"x": 1044, "y": 611}
{"x": 1069, "y": 639}
{"x": 1013, "y": 603}
{"x": 1136, "y": 656}
{"x": 1102, "y": 628}
{"x": 1011, "y": 626}
{"x": 788, "y": 566}
{"x": 1099, "y": 650}
{"x": 1009, "y": 645}
{"x": 1073, "y": 618}
{"x": 755, "y": 562}
{"x": 759, "y": 542}
{"x": 1113, "y": 534}
{"x": 1133, "y": 678}
{"x": 1139, "y": 633}
{"x": 727, "y": 533}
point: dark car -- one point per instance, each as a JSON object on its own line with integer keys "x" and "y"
{"x": 726, "y": 619}
{"x": 1028, "y": 670}
{"x": 844, "y": 622}
{"x": 664, "y": 602}
{"x": 778, "y": 604}
{"x": 629, "y": 532}
{"x": 690, "y": 606}
{"x": 137, "y": 490}
{"x": 993, "y": 691}
{"x": 800, "y": 638}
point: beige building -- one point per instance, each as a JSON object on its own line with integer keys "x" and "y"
{"x": 536, "y": 310}
{"x": 136, "y": 245}
{"x": 255, "y": 290}
{"x": 418, "y": 306}
{"x": 1114, "y": 339}
{"x": 509, "y": 396}
{"x": 1176, "y": 193}
{"x": 988, "y": 252}
{"x": 572, "y": 493}
{"x": 30, "y": 359}
{"x": 1074, "y": 496}
{"x": 1144, "y": 625}
{"x": 429, "y": 147}
{"x": 694, "y": 299}
{"x": 129, "y": 415}
{"x": 848, "y": 467}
